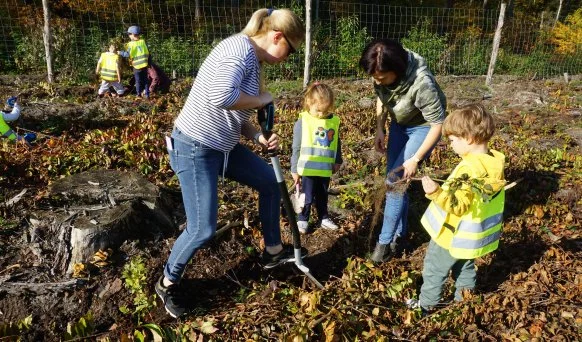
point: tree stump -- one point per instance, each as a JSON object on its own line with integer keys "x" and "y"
{"x": 104, "y": 209}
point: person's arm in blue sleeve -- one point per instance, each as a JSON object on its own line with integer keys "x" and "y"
{"x": 124, "y": 53}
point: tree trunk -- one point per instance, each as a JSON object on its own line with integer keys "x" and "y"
{"x": 105, "y": 209}
{"x": 559, "y": 10}
{"x": 46, "y": 34}
{"x": 197, "y": 13}
{"x": 308, "y": 29}
{"x": 496, "y": 41}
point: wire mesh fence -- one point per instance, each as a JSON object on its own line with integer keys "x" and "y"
{"x": 180, "y": 33}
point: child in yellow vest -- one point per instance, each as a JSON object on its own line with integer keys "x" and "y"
{"x": 463, "y": 224}
{"x": 139, "y": 57}
{"x": 109, "y": 70}
{"x": 316, "y": 153}
{"x": 9, "y": 114}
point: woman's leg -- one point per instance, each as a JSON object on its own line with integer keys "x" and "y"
{"x": 247, "y": 168}
{"x": 403, "y": 142}
{"x": 197, "y": 168}
{"x": 395, "y": 201}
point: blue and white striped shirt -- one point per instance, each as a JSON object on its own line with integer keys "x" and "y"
{"x": 231, "y": 67}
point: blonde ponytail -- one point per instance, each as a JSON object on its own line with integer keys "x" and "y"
{"x": 283, "y": 20}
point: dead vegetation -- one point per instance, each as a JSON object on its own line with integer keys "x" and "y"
{"x": 529, "y": 289}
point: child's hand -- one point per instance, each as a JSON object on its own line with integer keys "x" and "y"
{"x": 428, "y": 185}
{"x": 336, "y": 167}
{"x": 296, "y": 179}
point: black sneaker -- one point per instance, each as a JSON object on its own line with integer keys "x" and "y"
{"x": 285, "y": 255}
{"x": 382, "y": 253}
{"x": 172, "y": 296}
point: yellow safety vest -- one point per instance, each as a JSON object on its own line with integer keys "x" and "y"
{"x": 474, "y": 234}
{"x": 5, "y": 130}
{"x": 319, "y": 140}
{"x": 109, "y": 62}
{"x": 138, "y": 53}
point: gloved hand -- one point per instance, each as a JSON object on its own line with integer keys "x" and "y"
{"x": 29, "y": 137}
{"x": 11, "y": 101}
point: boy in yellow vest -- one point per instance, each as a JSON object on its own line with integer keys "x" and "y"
{"x": 139, "y": 55}
{"x": 463, "y": 223}
{"x": 109, "y": 69}
{"x": 316, "y": 153}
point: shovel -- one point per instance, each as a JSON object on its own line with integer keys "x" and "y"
{"x": 266, "y": 118}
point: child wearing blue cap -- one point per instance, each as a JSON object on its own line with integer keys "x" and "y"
{"x": 138, "y": 54}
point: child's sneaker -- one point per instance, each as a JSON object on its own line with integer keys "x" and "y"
{"x": 302, "y": 226}
{"x": 328, "y": 224}
{"x": 172, "y": 296}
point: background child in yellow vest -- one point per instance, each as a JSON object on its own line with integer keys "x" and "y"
{"x": 9, "y": 114}
{"x": 316, "y": 152}
{"x": 138, "y": 54}
{"x": 109, "y": 69}
{"x": 463, "y": 225}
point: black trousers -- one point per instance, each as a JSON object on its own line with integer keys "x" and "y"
{"x": 315, "y": 189}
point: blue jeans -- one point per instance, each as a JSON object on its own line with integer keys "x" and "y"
{"x": 198, "y": 168}
{"x": 315, "y": 189}
{"x": 403, "y": 142}
{"x": 141, "y": 81}
{"x": 437, "y": 264}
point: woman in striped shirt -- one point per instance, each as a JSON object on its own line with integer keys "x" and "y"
{"x": 205, "y": 142}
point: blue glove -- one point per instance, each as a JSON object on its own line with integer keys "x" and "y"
{"x": 29, "y": 137}
{"x": 11, "y": 101}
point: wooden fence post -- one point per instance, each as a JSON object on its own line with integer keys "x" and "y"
{"x": 496, "y": 40}
{"x": 46, "y": 34}
{"x": 308, "y": 28}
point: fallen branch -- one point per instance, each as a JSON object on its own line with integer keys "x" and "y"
{"x": 38, "y": 288}
{"x": 226, "y": 228}
{"x": 14, "y": 199}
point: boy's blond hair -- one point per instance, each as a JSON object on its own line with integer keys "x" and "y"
{"x": 320, "y": 95}
{"x": 471, "y": 122}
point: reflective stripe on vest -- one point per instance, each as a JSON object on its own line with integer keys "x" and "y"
{"x": 474, "y": 236}
{"x": 138, "y": 53}
{"x": 319, "y": 140}
{"x": 109, "y": 66}
{"x": 6, "y": 131}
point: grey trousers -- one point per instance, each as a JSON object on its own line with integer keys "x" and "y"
{"x": 437, "y": 264}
